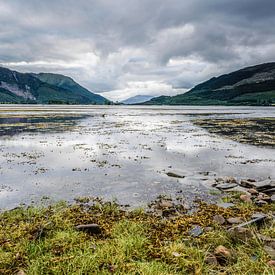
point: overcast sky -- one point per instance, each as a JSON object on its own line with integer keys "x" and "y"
{"x": 122, "y": 48}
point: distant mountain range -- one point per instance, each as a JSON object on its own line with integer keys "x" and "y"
{"x": 44, "y": 88}
{"x": 253, "y": 85}
{"x": 137, "y": 99}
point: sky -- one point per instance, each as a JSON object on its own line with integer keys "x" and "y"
{"x": 123, "y": 48}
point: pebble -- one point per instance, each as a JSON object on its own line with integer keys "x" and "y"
{"x": 196, "y": 231}
{"x": 226, "y": 204}
{"x": 211, "y": 259}
{"x": 245, "y": 198}
{"x": 270, "y": 251}
{"x": 253, "y": 191}
{"x": 261, "y": 203}
{"x": 176, "y": 254}
{"x": 271, "y": 263}
{"x": 89, "y": 228}
{"x": 219, "y": 219}
{"x": 246, "y": 184}
{"x": 225, "y": 186}
{"x": 263, "y": 197}
{"x": 235, "y": 220}
{"x": 165, "y": 204}
{"x": 223, "y": 252}
{"x": 241, "y": 233}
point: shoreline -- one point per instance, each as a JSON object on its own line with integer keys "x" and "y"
{"x": 91, "y": 235}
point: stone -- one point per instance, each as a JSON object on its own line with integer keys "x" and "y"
{"x": 174, "y": 175}
{"x": 165, "y": 204}
{"x": 21, "y": 272}
{"x": 222, "y": 252}
{"x": 236, "y": 220}
{"x": 208, "y": 229}
{"x": 270, "y": 251}
{"x": 260, "y": 202}
{"x": 196, "y": 231}
{"x": 262, "y": 186}
{"x": 263, "y": 197}
{"x": 271, "y": 263}
{"x": 211, "y": 259}
{"x": 272, "y": 198}
{"x": 219, "y": 219}
{"x": 253, "y": 191}
{"x": 226, "y": 204}
{"x": 89, "y": 228}
{"x": 230, "y": 180}
{"x": 226, "y": 186}
{"x": 245, "y": 198}
{"x": 246, "y": 184}
{"x": 240, "y": 233}
{"x": 176, "y": 254}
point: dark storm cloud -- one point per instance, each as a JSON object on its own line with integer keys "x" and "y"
{"x": 124, "y": 46}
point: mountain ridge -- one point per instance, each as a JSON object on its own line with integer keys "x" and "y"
{"x": 253, "y": 85}
{"x": 44, "y": 88}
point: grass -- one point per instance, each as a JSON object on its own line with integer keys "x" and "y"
{"x": 43, "y": 240}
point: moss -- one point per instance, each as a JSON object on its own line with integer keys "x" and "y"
{"x": 43, "y": 240}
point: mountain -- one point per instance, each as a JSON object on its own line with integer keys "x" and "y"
{"x": 44, "y": 88}
{"x": 137, "y": 99}
{"x": 253, "y": 85}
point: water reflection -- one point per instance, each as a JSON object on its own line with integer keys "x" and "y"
{"x": 120, "y": 152}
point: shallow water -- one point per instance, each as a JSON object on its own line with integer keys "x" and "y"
{"x": 63, "y": 152}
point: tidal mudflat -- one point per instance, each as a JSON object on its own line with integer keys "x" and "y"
{"x": 132, "y": 154}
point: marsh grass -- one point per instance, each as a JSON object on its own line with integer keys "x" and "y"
{"x": 43, "y": 240}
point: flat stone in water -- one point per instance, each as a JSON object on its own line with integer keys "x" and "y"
{"x": 225, "y": 186}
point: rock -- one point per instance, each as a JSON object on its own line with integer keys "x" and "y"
{"x": 262, "y": 186}
{"x": 226, "y": 186}
{"x": 219, "y": 180}
{"x": 270, "y": 191}
{"x": 235, "y": 220}
{"x": 208, "y": 229}
{"x": 263, "y": 197}
{"x": 251, "y": 180}
{"x": 271, "y": 263}
{"x": 21, "y": 272}
{"x": 260, "y": 202}
{"x": 219, "y": 219}
{"x": 196, "y": 231}
{"x": 257, "y": 218}
{"x": 223, "y": 252}
{"x": 169, "y": 212}
{"x": 253, "y": 191}
{"x": 240, "y": 233}
{"x": 230, "y": 180}
{"x": 246, "y": 184}
{"x": 270, "y": 251}
{"x": 211, "y": 259}
{"x": 176, "y": 254}
{"x": 89, "y": 228}
{"x": 226, "y": 204}
{"x": 272, "y": 198}
{"x": 245, "y": 198}
{"x": 174, "y": 175}
{"x": 165, "y": 204}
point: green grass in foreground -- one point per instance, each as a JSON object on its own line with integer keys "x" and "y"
{"x": 44, "y": 241}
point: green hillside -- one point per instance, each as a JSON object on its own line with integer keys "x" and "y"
{"x": 250, "y": 86}
{"x": 44, "y": 88}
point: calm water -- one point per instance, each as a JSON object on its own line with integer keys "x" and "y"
{"x": 63, "y": 152}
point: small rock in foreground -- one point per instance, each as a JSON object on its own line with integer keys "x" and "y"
{"x": 89, "y": 228}
{"x": 219, "y": 219}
